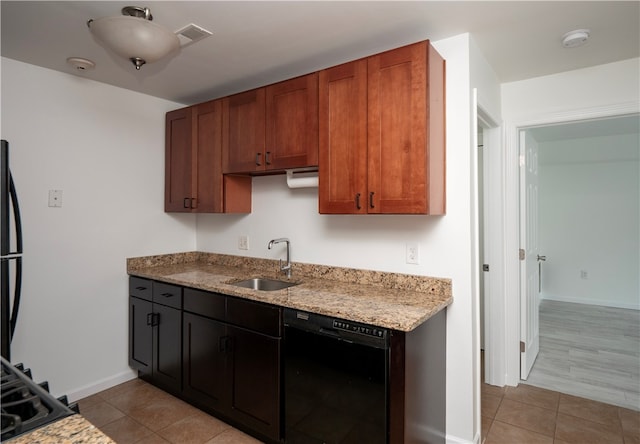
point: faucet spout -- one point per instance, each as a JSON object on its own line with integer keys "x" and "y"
{"x": 287, "y": 267}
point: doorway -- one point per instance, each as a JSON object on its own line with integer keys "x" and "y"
{"x": 588, "y": 288}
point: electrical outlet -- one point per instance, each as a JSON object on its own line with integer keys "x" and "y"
{"x": 243, "y": 242}
{"x": 413, "y": 253}
{"x": 584, "y": 274}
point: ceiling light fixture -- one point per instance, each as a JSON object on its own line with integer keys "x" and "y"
{"x": 573, "y": 39}
{"x": 134, "y": 36}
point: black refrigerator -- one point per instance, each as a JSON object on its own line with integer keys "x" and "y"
{"x": 10, "y": 252}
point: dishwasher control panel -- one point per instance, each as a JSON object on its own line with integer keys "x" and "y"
{"x": 359, "y": 328}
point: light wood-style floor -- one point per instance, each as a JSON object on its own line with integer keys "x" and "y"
{"x": 589, "y": 351}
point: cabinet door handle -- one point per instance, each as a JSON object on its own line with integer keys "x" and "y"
{"x": 186, "y": 202}
{"x": 225, "y": 344}
{"x": 358, "y": 207}
{"x": 168, "y": 295}
{"x": 194, "y": 202}
{"x": 153, "y": 319}
{"x": 267, "y": 158}
{"x": 371, "y": 199}
{"x": 258, "y": 162}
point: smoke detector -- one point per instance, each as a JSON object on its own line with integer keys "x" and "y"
{"x": 573, "y": 39}
{"x": 80, "y": 63}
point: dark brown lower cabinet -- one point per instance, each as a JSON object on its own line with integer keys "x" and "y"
{"x": 155, "y": 332}
{"x": 205, "y": 364}
{"x": 233, "y": 370}
{"x": 154, "y": 343}
{"x": 255, "y": 373}
{"x": 140, "y": 335}
{"x": 167, "y": 347}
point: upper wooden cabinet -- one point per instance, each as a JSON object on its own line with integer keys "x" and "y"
{"x": 193, "y": 165}
{"x": 382, "y": 134}
{"x": 272, "y": 128}
{"x": 178, "y": 157}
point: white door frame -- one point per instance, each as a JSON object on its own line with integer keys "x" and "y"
{"x": 494, "y": 332}
{"x": 509, "y": 344}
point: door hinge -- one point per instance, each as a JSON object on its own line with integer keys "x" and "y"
{"x": 522, "y": 347}
{"x": 485, "y": 267}
{"x": 521, "y": 254}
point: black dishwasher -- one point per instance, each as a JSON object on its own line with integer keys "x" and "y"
{"x": 336, "y": 380}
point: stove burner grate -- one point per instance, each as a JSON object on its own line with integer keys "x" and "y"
{"x": 24, "y": 404}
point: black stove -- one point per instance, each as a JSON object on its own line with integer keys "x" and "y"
{"x": 26, "y": 405}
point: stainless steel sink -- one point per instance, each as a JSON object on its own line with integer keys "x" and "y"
{"x": 264, "y": 284}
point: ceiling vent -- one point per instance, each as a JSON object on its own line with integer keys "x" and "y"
{"x": 191, "y": 33}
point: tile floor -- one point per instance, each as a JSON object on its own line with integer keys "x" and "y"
{"x": 532, "y": 415}
{"x": 137, "y": 412}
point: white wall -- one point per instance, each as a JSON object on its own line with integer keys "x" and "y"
{"x": 598, "y": 91}
{"x": 378, "y": 242}
{"x": 589, "y": 218}
{"x": 104, "y": 148}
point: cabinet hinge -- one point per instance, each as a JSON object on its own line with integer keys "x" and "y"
{"x": 522, "y": 347}
{"x": 521, "y": 254}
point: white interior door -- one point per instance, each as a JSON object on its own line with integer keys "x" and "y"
{"x": 529, "y": 271}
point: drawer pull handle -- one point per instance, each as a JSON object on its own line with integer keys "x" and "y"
{"x": 141, "y": 288}
{"x": 167, "y": 295}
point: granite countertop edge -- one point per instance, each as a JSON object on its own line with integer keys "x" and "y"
{"x": 390, "y": 300}
{"x": 73, "y": 429}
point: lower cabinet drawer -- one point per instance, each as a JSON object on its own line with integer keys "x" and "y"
{"x": 204, "y": 303}
{"x": 167, "y": 294}
{"x": 140, "y": 288}
{"x": 254, "y": 316}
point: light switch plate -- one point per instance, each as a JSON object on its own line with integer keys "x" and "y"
{"x": 243, "y": 242}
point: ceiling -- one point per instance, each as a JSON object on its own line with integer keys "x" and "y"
{"x": 257, "y": 43}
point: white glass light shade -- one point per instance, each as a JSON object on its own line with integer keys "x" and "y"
{"x": 134, "y": 38}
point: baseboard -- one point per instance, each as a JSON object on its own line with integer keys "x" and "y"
{"x": 101, "y": 385}
{"x": 456, "y": 440}
{"x": 591, "y": 302}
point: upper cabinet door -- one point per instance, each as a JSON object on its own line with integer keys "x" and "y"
{"x": 178, "y": 158}
{"x": 397, "y": 131}
{"x": 292, "y": 123}
{"x": 243, "y": 138}
{"x": 272, "y": 128}
{"x": 382, "y": 129}
{"x": 343, "y": 138}
{"x": 193, "y": 179}
{"x": 207, "y": 121}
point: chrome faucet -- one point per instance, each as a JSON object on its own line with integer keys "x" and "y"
{"x": 287, "y": 267}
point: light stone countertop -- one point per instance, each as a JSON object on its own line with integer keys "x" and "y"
{"x": 73, "y": 429}
{"x": 391, "y": 300}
